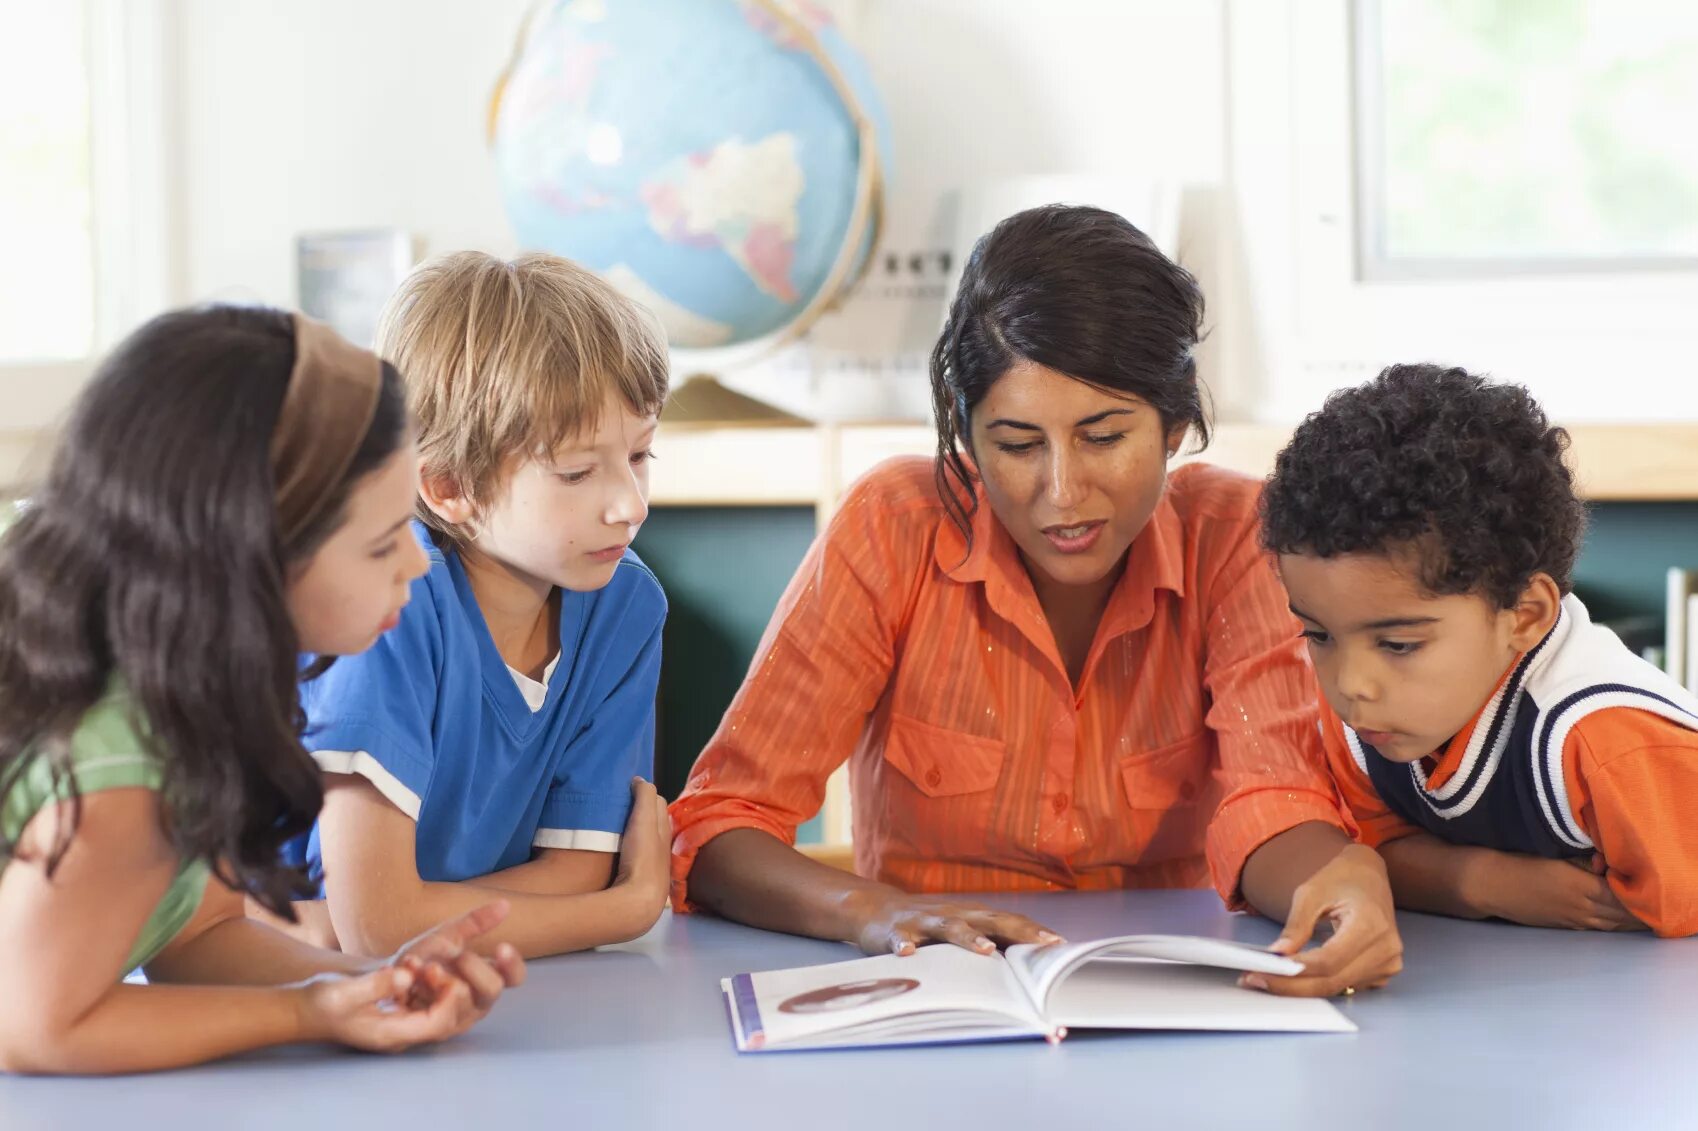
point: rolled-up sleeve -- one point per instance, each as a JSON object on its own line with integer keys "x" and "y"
{"x": 1264, "y": 711}
{"x": 818, "y": 673}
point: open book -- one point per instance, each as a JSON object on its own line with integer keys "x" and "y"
{"x": 945, "y": 993}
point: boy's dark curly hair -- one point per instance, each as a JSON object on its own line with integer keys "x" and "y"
{"x": 1466, "y": 473}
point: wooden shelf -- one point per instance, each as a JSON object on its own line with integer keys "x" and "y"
{"x": 787, "y": 463}
{"x": 1636, "y": 462}
{"x": 737, "y": 466}
{"x": 782, "y": 461}
{"x": 1612, "y": 462}
{"x": 810, "y": 465}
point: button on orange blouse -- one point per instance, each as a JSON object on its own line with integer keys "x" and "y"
{"x": 974, "y": 765}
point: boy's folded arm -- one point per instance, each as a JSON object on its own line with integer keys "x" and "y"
{"x": 1469, "y": 882}
{"x": 555, "y": 871}
{"x": 1432, "y": 875}
{"x": 378, "y": 902}
{"x": 1641, "y": 816}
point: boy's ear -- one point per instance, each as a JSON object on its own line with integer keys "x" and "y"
{"x": 1535, "y": 614}
{"x": 442, "y": 494}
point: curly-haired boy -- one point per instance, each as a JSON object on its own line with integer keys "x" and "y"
{"x": 1506, "y": 756}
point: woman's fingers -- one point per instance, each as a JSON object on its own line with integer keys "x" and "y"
{"x": 958, "y": 931}
{"x": 1009, "y": 929}
{"x": 1361, "y": 954}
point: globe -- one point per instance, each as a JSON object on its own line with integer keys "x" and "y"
{"x": 718, "y": 161}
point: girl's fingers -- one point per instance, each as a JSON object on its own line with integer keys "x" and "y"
{"x": 510, "y": 964}
{"x": 481, "y": 979}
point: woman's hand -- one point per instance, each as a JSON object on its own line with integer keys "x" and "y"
{"x": 1351, "y": 893}
{"x": 897, "y": 923}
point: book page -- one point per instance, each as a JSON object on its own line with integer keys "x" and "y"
{"x": 1158, "y": 994}
{"x": 888, "y": 998}
{"x": 1040, "y": 967}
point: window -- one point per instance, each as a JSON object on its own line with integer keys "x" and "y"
{"x": 1522, "y": 136}
{"x": 47, "y": 288}
{"x": 1506, "y": 185}
{"x": 88, "y": 224}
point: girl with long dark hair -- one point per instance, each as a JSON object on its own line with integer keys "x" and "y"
{"x": 232, "y": 490}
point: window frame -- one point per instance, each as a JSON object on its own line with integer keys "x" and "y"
{"x": 1368, "y": 157}
{"x": 1618, "y": 345}
{"x": 133, "y": 215}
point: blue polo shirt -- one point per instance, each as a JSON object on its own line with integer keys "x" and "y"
{"x": 431, "y": 716}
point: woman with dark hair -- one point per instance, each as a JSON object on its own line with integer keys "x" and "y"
{"x": 1050, "y": 663}
{"x": 232, "y": 490}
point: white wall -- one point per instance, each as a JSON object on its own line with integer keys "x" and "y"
{"x": 1592, "y": 346}
{"x": 327, "y": 114}
{"x": 1120, "y": 91}
{"x": 334, "y": 114}
{"x": 982, "y": 89}
{"x": 323, "y": 114}
{"x": 280, "y": 119}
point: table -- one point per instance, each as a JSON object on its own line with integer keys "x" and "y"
{"x": 1490, "y": 1025}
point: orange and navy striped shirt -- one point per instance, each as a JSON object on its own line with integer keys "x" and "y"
{"x": 975, "y": 763}
{"x": 1630, "y": 781}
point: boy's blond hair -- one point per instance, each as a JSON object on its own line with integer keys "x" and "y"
{"x": 506, "y": 359}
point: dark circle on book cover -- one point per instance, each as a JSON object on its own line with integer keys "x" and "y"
{"x": 849, "y": 995}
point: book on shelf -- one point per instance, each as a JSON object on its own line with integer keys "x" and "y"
{"x": 1691, "y": 679}
{"x": 1682, "y": 584}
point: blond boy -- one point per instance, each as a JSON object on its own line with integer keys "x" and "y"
{"x": 490, "y": 742}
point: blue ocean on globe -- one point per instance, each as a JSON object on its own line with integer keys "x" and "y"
{"x": 697, "y": 153}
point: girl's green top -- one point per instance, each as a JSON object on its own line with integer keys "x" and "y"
{"x": 108, "y": 753}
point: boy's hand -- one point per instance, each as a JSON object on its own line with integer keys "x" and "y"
{"x": 1539, "y": 892}
{"x": 645, "y": 852}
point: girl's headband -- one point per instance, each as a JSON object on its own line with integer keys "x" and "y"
{"x": 327, "y": 410}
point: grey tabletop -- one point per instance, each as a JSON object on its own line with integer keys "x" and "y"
{"x": 1490, "y": 1025}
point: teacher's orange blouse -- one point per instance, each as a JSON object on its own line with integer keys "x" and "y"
{"x": 975, "y": 765}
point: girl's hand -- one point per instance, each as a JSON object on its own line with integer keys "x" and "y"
{"x": 391, "y": 1009}
{"x": 449, "y": 948}
{"x": 1351, "y": 893}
